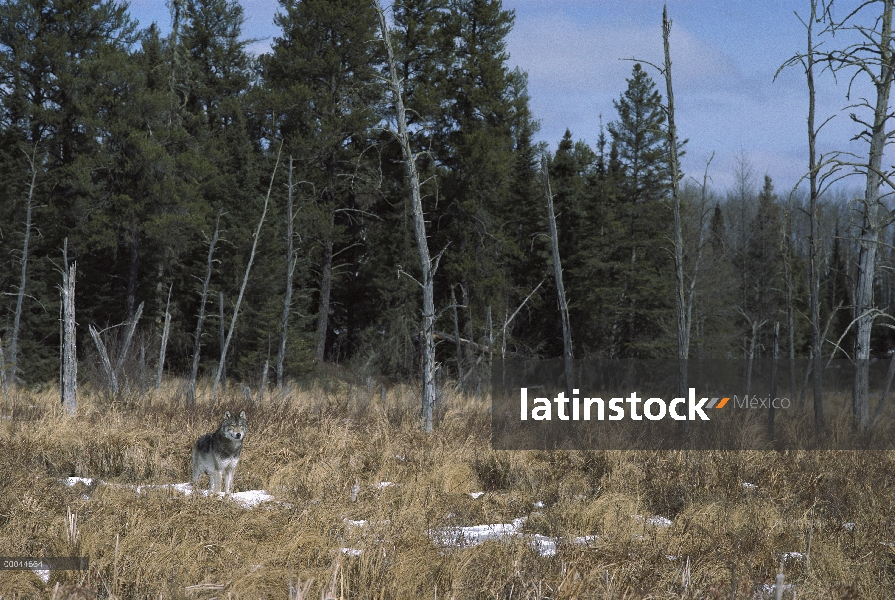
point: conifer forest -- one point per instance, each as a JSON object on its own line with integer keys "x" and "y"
{"x": 161, "y": 166}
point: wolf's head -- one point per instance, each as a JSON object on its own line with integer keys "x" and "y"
{"x": 234, "y": 429}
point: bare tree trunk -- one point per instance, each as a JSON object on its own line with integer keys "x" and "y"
{"x": 868, "y": 239}
{"x": 755, "y": 326}
{"x": 889, "y": 377}
{"x": 197, "y": 341}
{"x": 104, "y": 357}
{"x": 429, "y": 266}
{"x": 290, "y": 271}
{"x": 683, "y": 306}
{"x": 69, "y": 350}
{"x": 23, "y": 278}
{"x": 245, "y": 281}
{"x": 509, "y": 320}
{"x": 223, "y": 336}
{"x": 557, "y": 274}
{"x": 326, "y": 272}
{"x": 262, "y": 389}
{"x": 813, "y": 271}
{"x": 129, "y": 336}
{"x": 133, "y": 277}
{"x": 164, "y": 346}
{"x": 457, "y": 336}
{"x": 773, "y": 380}
{"x": 789, "y": 293}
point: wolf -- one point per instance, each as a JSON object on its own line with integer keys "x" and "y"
{"x": 217, "y": 453}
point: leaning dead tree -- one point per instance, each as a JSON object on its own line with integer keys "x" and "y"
{"x": 113, "y": 371}
{"x": 291, "y": 260}
{"x": 557, "y": 274}
{"x": 197, "y": 341}
{"x": 874, "y": 57}
{"x": 166, "y": 329}
{"x": 245, "y": 280}
{"x": 20, "y": 297}
{"x": 429, "y": 265}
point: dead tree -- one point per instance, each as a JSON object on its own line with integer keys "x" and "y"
{"x": 773, "y": 394}
{"x": 428, "y": 264}
{"x": 557, "y": 274}
{"x": 684, "y": 286}
{"x": 820, "y": 170}
{"x": 509, "y": 319}
{"x": 457, "y": 335}
{"x": 166, "y": 328}
{"x": 69, "y": 351}
{"x": 23, "y": 278}
{"x": 197, "y": 341}
{"x": 113, "y": 371}
{"x": 291, "y": 260}
{"x": 245, "y": 280}
{"x": 874, "y": 56}
{"x": 129, "y": 337}
{"x": 683, "y": 305}
{"x": 222, "y": 334}
{"x": 104, "y": 357}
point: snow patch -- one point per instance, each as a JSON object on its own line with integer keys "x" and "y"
{"x": 473, "y": 535}
{"x": 476, "y": 495}
{"x": 251, "y": 498}
{"x": 71, "y": 481}
{"x": 248, "y": 499}
{"x": 655, "y": 521}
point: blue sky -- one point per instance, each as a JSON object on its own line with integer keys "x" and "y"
{"x": 724, "y": 54}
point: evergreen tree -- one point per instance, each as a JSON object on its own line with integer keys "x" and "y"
{"x": 643, "y": 275}
{"x": 570, "y": 174}
{"x": 473, "y": 142}
{"x": 54, "y": 57}
{"x": 322, "y": 76}
{"x": 764, "y": 298}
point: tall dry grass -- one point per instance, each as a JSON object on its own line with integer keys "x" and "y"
{"x": 315, "y": 449}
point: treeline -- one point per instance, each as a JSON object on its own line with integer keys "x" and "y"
{"x": 124, "y": 151}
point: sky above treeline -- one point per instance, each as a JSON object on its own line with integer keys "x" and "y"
{"x": 725, "y": 56}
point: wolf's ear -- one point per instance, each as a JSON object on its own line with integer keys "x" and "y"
{"x": 242, "y": 415}
{"x": 227, "y": 415}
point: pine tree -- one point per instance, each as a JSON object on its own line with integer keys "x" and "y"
{"x": 53, "y": 56}
{"x": 641, "y": 221}
{"x": 570, "y": 173}
{"x": 325, "y": 95}
{"x": 764, "y": 300}
{"x": 473, "y": 141}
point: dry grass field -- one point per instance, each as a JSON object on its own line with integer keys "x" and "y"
{"x": 365, "y": 506}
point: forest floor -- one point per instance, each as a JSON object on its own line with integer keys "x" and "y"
{"x": 340, "y": 495}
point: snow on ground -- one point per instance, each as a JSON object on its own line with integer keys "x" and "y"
{"x": 248, "y": 498}
{"x": 473, "y": 535}
{"x": 459, "y": 537}
{"x": 655, "y": 521}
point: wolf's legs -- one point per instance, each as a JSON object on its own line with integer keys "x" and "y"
{"x": 228, "y": 478}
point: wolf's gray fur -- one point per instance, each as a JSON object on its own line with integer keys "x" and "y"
{"x": 217, "y": 453}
